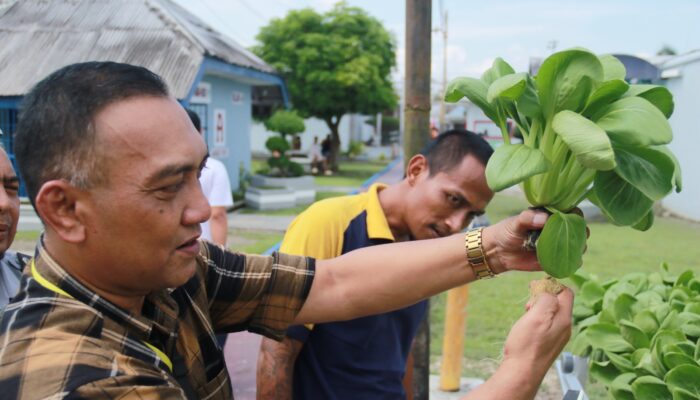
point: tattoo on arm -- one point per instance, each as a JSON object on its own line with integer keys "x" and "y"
{"x": 276, "y": 368}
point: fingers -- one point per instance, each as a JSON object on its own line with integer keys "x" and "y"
{"x": 566, "y": 305}
{"x": 546, "y": 304}
{"x": 531, "y": 219}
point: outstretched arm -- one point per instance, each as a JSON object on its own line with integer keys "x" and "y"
{"x": 383, "y": 278}
{"x": 276, "y": 368}
{"x": 533, "y": 344}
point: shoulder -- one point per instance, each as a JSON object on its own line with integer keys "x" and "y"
{"x": 15, "y": 260}
{"x": 340, "y": 209}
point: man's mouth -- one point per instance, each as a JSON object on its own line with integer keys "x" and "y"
{"x": 190, "y": 247}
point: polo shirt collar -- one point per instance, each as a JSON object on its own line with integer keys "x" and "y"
{"x": 377, "y": 225}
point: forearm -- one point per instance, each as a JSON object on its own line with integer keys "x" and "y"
{"x": 514, "y": 380}
{"x": 383, "y": 278}
{"x": 219, "y": 225}
{"x": 276, "y": 368}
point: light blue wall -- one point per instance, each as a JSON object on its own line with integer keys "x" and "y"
{"x": 238, "y": 123}
{"x": 686, "y": 144}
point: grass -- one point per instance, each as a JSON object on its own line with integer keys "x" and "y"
{"x": 351, "y": 173}
{"x": 253, "y": 242}
{"x": 27, "y": 235}
{"x": 293, "y": 210}
{"x": 494, "y": 305}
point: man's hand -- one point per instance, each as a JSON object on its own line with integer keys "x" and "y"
{"x": 539, "y": 336}
{"x": 503, "y": 242}
{"x": 532, "y": 345}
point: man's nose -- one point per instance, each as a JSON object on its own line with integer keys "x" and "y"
{"x": 5, "y": 200}
{"x": 457, "y": 221}
{"x": 198, "y": 209}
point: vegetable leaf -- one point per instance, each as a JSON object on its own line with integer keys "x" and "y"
{"x": 511, "y": 164}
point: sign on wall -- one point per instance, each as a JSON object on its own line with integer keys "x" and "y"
{"x": 202, "y": 93}
{"x": 219, "y": 127}
{"x": 237, "y": 98}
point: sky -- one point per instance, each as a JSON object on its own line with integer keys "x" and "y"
{"x": 478, "y": 32}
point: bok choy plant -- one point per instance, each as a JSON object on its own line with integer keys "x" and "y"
{"x": 587, "y": 134}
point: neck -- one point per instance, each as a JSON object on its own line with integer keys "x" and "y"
{"x": 391, "y": 198}
{"x": 75, "y": 265}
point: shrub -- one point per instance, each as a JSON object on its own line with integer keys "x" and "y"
{"x": 355, "y": 149}
{"x": 285, "y": 123}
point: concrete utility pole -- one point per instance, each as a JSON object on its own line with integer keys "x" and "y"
{"x": 416, "y": 135}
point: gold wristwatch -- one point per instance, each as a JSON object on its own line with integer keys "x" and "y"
{"x": 475, "y": 254}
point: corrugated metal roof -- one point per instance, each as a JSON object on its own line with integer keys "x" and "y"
{"x": 41, "y": 36}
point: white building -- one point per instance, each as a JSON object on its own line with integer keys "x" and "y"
{"x": 682, "y": 75}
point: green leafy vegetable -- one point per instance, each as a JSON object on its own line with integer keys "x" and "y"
{"x": 587, "y": 134}
{"x": 638, "y": 357}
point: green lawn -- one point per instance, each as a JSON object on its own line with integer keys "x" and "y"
{"x": 494, "y": 305}
{"x": 351, "y": 173}
{"x": 293, "y": 210}
{"x": 27, "y": 235}
{"x": 253, "y": 242}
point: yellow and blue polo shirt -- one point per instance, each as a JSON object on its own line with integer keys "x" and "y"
{"x": 364, "y": 358}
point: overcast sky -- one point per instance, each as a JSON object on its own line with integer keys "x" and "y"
{"x": 479, "y": 31}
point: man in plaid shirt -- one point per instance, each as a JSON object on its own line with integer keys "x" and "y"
{"x": 122, "y": 300}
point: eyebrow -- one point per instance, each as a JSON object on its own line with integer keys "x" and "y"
{"x": 174, "y": 169}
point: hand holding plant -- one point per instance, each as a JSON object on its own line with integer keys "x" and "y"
{"x": 587, "y": 134}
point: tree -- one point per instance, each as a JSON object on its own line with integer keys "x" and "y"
{"x": 334, "y": 63}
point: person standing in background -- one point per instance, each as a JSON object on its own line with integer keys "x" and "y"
{"x": 11, "y": 263}
{"x": 217, "y": 189}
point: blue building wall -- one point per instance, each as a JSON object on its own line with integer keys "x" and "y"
{"x": 234, "y": 98}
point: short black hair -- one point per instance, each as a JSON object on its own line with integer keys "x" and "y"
{"x": 55, "y": 136}
{"x": 449, "y": 149}
{"x": 195, "y": 119}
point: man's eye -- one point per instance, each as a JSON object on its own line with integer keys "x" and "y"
{"x": 453, "y": 199}
{"x": 172, "y": 188}
{"x": 12, "y": 189}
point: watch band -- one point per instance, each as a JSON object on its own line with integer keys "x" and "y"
{"x": 475, "y": 254}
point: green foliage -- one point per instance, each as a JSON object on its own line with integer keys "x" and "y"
{"x": 277, "y": 143}
{"x": 587, "y": 134}
{"x": 279, "y": 163}
{"x": 284, "y": 167}
{"x": 285, "y": 122}
{"x": 641, "y": 334}
{"x": 333, "y": 63}
{"x": 244, "y": 178}
{"x": 355, "y": 148}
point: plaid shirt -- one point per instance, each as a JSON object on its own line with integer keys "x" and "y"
{"x": 58, "y": 339}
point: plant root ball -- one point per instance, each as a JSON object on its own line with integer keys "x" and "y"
{"x": 546, "y": 285}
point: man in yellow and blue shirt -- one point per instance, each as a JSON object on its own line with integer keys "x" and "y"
{"x": 365, "y": 358}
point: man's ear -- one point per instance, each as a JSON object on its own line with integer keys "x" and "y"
{"x": 417, "y": 165}
{"x": 58, "y": 203}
